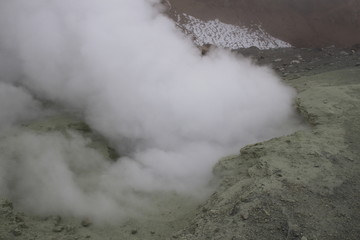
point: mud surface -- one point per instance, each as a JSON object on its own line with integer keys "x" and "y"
{"x": 301, "y": 186}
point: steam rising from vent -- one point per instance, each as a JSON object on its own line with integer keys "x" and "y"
{"x": 169, "y": 112}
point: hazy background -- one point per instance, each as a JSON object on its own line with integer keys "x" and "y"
{"x": 134, "y": 78}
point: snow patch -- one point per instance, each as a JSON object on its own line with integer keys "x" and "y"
{"x": 225, "y": 35}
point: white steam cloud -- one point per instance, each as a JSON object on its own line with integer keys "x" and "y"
{"x": 139, "y": 82}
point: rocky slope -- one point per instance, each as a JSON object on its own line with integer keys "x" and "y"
{"x": 301, "y": 186}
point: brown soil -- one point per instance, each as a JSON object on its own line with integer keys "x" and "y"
{"x": 305, "y": 23}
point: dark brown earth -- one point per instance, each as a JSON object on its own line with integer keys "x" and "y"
{"x": 292, "y": 63}
{"x": 304, "y": 23}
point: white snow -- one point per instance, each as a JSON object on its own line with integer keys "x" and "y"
{"x": 225, "y": 35}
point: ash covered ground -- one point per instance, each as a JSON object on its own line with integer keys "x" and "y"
{"x": 300, "y": 186}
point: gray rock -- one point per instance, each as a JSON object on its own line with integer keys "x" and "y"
{"x": 85, "y": 223}
{"x": 58, "y": 229}
{"x": 16, "y": 232}
{"x": 295, "y": 62}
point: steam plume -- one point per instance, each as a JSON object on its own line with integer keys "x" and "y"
{"x": 138, "y": 81}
